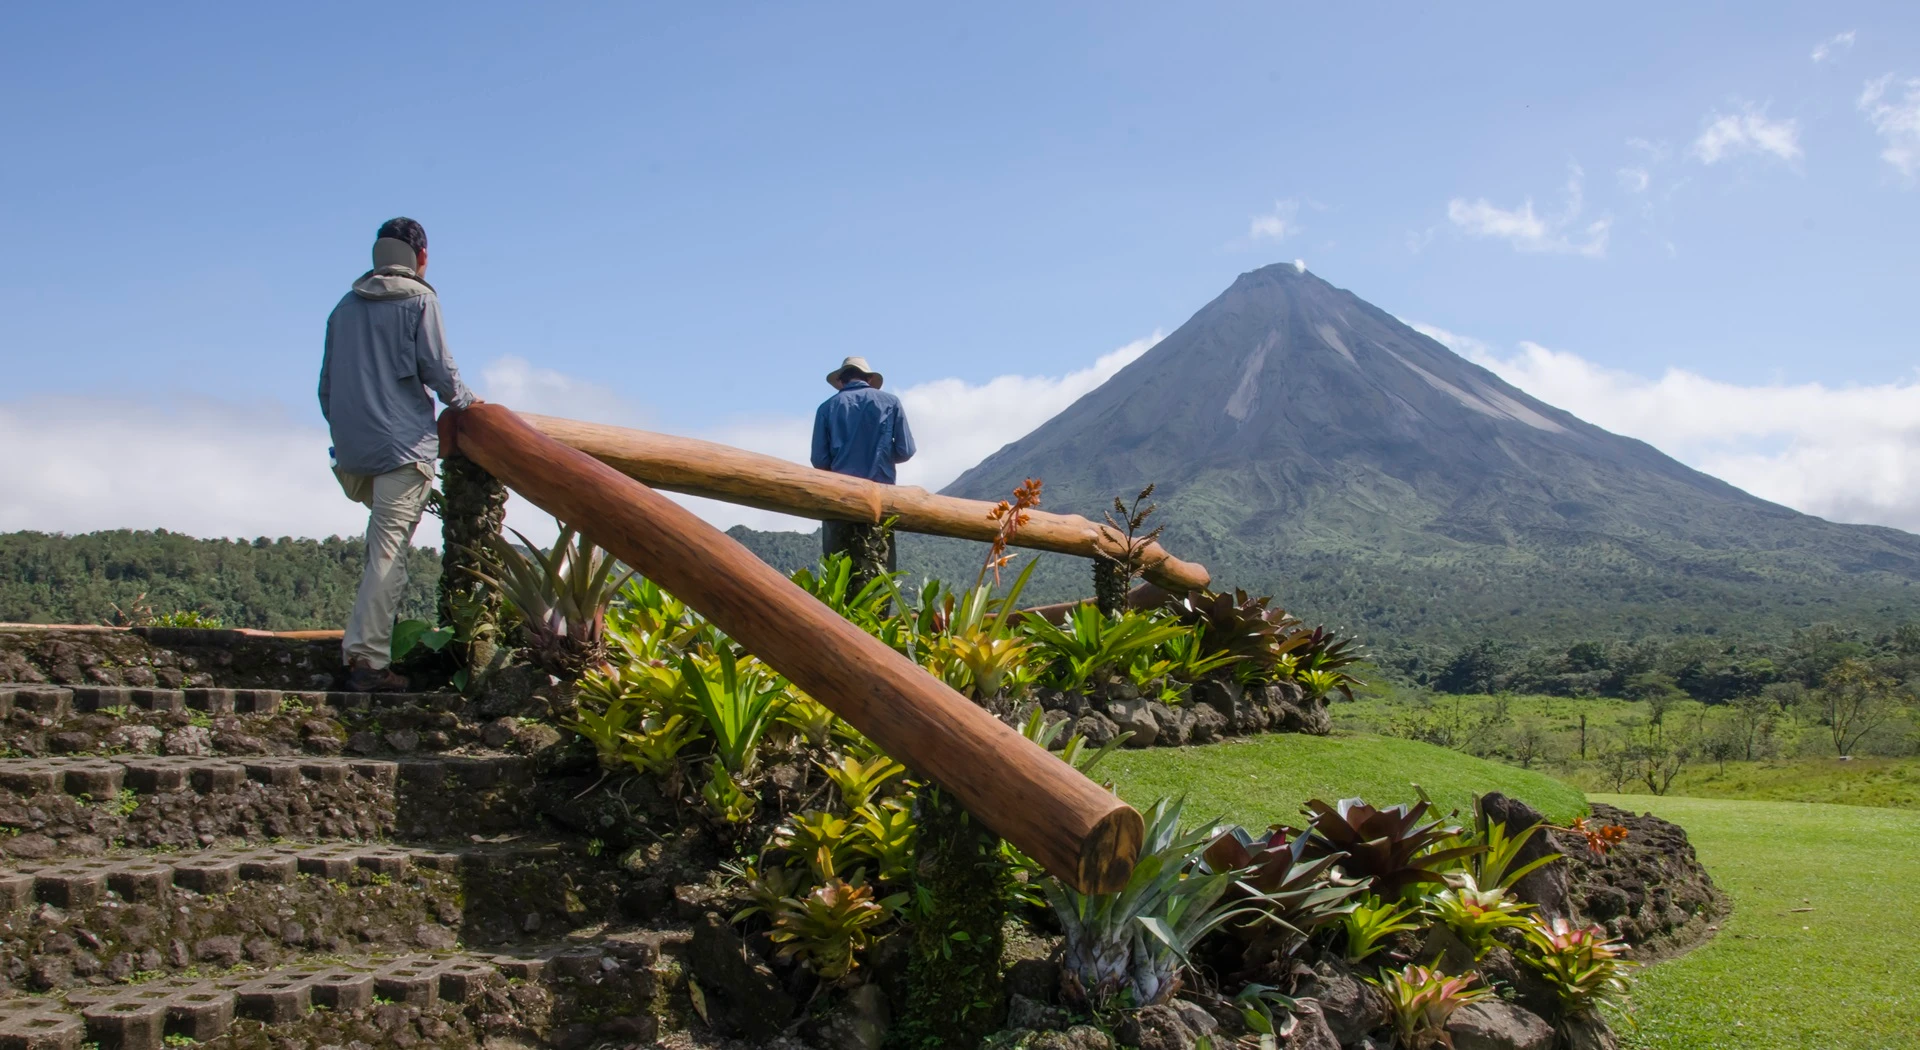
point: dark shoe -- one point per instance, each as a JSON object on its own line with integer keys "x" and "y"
{"x": 362, "y": 678}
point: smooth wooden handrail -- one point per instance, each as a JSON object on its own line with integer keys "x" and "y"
{"x": 722, "y": 472}
{"x": 1082, "y": 834}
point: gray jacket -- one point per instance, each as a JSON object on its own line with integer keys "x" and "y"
{"x": 385, "y": 347}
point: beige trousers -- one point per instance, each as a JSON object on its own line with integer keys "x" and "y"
{"x": 397, "y": 499}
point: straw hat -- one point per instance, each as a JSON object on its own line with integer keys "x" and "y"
{"x": 838, "y": 377}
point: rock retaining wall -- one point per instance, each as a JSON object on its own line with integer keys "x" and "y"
{"x": 1212, "y": 710}
{"x": 166, "y": 657}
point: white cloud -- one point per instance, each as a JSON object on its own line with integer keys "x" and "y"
{"x": 1728, "y": 135}
{"x": 1897, "y": 120}
{"x": 219, "y": 469}
{"x": 1635, "y": 180}
{"x": 1529, "y": 231}
{"x": 1839, "y": 43}
{"x": 1844, "y": 453}
{"x": 78, "y": 464}
{"x": 528, "y": 388}
{"x": 1277, "y": 224}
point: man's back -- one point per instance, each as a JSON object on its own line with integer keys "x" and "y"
{"x": 862, "y": 431}
{"x": 384, "y": 348}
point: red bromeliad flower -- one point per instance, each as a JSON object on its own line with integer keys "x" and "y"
{"x": 1010, "y": 518}
{"x": 1600, "y": 840}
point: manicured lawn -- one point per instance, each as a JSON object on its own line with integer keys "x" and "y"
{"x": 1263, "y": 780}
{"x": 1844, "y": 975}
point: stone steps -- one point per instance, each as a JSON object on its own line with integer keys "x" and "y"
{"x": 310, "y": 868}
{"x": 82, "y": 806}
{"x": 39, "y": 720}
{"x": 110, "y": 917}
{"x": 620, "y": 985}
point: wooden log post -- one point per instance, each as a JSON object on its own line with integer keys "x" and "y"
{"x": 1110, "y": 581}
{"x": 1082, "y": 834}
{"x": 473, "y": 506}
{"x": 704, "y": 468}
{"x": 953, "y": 966}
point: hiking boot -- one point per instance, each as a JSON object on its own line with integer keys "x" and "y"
{"x": 362, "y": 677}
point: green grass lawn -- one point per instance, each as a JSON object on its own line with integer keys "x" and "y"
{"x": 1889, "y": 782}
{"x": 1843, "y": 976}
{"x": 1263, "y": 780}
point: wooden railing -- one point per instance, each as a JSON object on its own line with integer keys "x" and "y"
{"x": 722, "y": 472}
{"x": 1081, "y": 833}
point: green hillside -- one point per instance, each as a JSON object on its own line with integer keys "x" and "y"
{"x": 282, "y": 584}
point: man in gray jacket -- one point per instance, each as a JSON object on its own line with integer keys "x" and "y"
{"x": 385, "y": 347}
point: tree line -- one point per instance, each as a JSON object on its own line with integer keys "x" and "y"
{"x": 122, "y": 575}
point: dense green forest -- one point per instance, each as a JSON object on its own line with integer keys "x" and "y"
{"x": 283, "y": 584}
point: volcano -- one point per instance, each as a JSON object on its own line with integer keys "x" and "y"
{"x": 1306, "y": 443}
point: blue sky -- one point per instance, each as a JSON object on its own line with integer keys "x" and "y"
{"x": 683, "y": 217}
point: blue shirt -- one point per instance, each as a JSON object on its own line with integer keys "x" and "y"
{"x": 863, "y": 432}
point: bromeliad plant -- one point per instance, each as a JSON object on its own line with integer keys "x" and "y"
{"x": 1092, "y": 642}
{"x": 561, "y": 595}
{"x": 648, "y": 625}
{"x": 738, "y": 699}
{"x": 820, "y": 840}
{"x": 1129, "y": 947}
{"x": 1008, "y": 519}
{"x": 1255, "y": 636}
{"x": 1188, "y": 659}
{"x": 1389, "y": 848}
{"x": 884, "y": 833}
{"x": 974, "y": 647}
{"x": 1293, "y": 895}
{"x": 1583, "y": 965}
{"x": 1369, "y": 923}
{"x": 867, "y": 608}
{"x": 1319, "y": 660}
{"x": 829, "y": 926}
{"x": 1475, "y": 914}
{"x": 860, "y": 780}
{"x": 1421, "y": 1001}
{"x": 1498, "y": 864}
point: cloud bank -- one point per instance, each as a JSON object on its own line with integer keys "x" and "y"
{"x": 1844, "y": 453}
{"x": 219, "y": 469}
{"x": 213, "y": 468}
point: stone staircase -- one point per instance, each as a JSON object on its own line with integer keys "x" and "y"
{"x": 294, "y": 870}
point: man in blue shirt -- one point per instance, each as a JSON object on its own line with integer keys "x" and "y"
{"x": 861, "y": 431}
